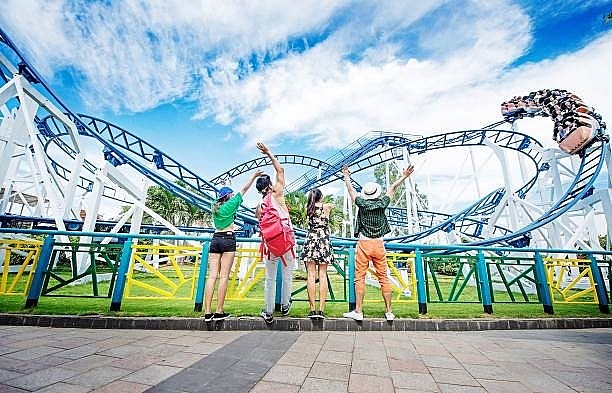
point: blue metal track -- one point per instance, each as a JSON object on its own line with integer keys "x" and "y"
{"x": 122, "y": 147}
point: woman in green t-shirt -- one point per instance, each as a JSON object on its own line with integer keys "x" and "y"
{"x": 223, "y": 247}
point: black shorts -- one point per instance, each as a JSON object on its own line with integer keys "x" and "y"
{"x": 223, "y": 242}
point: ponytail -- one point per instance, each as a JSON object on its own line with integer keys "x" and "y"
{"x": 314, "y": 196}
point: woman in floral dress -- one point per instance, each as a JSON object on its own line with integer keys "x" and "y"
{"x": 317, "y": 252}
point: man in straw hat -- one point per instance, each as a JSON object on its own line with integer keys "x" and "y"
{"x": 371, "y": 226}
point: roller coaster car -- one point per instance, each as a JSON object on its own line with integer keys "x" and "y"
{"x": 575, "y": 140}
{"x": 518, "y": 110}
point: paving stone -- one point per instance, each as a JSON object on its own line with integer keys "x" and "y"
{"x": 370, "y": 367}
{"x": 450, "y": 376}
{"x": 11, "y": 389}
{"x": 120, "y": 386}
{"x": 62, "y": 387}
{"x": 339, "y": 357}
{"x": 316, "y": 385}
{"x": 7, "y": 374}
{"x": 313, "y": 337}
{"x": 23, "y": 367}
{"x": 408, "y": 365}
{"x": 415, "y": 381}
{"x": 98, "y": 376}
{"x": 447, "y": 388}
{"x": 497, "y": 386}
{"x": 89, "y": 362}
{"x": 80, "y": 352}
{"x": 360, "y": 383}
{"x": 301, "y": 359}
{"x": 34, "y": 353}
{"x": 543, "y": 360}
{"x": 330, "y": 371}
{"x": 204, "y": 348}
{"x": 274, "y": 387}
{"x": 242, "y": 383}
{"x": 441, "y": 362}
{"x": 287, "y": 374}
{"x": 40, "y": 379}
{"x": 490, "y": 371}
{"x": 136, "y": 362}
{"x": 248, "y": 368}
{"x": 152, "y": 375}
{"x": 70, "y": 342}
{"x": 188, "y": 380}
{"x": 180, "y": 359}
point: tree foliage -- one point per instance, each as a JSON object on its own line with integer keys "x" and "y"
{"x": 176, "y": 210}
{"x": 397, "y": 200}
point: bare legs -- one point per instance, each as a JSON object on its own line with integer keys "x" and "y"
{"x": 311, "y": 269}
{"x": 218, "y": 264}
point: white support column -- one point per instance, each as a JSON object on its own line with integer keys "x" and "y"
{"x": 138, "y": 211}
{"x": 501, "y": 156}
{"x": 475, "y": 173}
{"x": 70, "y": 191}
{"x": 347, "y": 208}
{"x": 27, "y": 109}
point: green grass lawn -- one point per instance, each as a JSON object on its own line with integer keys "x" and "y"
{"x": 373, "y": 308}
{"x": 467, "y": 304}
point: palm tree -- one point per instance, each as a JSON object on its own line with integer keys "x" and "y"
{"x": 176, "y": 210}
{"x": 296, "y": 202}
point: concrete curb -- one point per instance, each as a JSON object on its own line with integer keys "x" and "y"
{"x": 300, "y": 324}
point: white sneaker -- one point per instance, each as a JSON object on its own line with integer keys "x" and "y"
{"x": 357, "y": 316}
{"x": 390, "y": 316}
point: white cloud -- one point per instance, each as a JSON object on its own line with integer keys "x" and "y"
{"x": 133, "y": 56}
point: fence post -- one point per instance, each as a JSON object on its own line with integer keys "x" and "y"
{"x": 420, "y": 276}
{"x": 483, "y": 281}
{"x": 124, "y": 264}
{"x": 39, "y": 275}
{"x": 600, "y": 286}
{"x": 279, "y": 285}
{"x": 351, "y": 276}
{"x": 201, "y": 285}
{"x": 542, "y": 284}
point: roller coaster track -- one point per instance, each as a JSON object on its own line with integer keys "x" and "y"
{"x": 367, "y": 153}
{"x": 593, "y": 160}
{"x": 295, "y": 159}
{"x": 121, "y": 147}
{"x": 101, "y": 130}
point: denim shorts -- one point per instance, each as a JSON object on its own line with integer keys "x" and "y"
{"x": 223, "y": 242}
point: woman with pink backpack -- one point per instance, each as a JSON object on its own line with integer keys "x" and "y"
{"x": 278, "y": 238}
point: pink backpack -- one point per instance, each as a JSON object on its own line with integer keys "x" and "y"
{"x": 277, "y": 235}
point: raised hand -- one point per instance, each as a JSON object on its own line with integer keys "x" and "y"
{"x": 263, "y": 148}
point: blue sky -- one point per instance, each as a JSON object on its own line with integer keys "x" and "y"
{"x": 203, "y": 81}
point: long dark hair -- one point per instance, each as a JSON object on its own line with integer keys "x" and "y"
{"x": 315, "y": 195}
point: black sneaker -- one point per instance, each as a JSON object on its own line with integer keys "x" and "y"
{"x": 321, "y": 314}
{"x": 268, "y": 318}
{"x": 285, "y": 309}
{"x": 313, "y": 315}
{"x": 208, "y": 317}
{"x": 220, "y": 316}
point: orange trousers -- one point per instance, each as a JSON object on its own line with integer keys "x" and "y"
{"x": 366, "y": 251}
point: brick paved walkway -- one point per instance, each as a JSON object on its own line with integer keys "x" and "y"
{"x": 74, "y": 360}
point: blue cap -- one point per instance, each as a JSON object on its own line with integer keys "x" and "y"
{"x": 224, "y": 191}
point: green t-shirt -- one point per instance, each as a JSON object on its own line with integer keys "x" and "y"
{"x": 225, "y": 214}
{"x": 371, "y": 218}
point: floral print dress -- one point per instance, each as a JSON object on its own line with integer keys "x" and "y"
{"x": 317, "y": 247}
